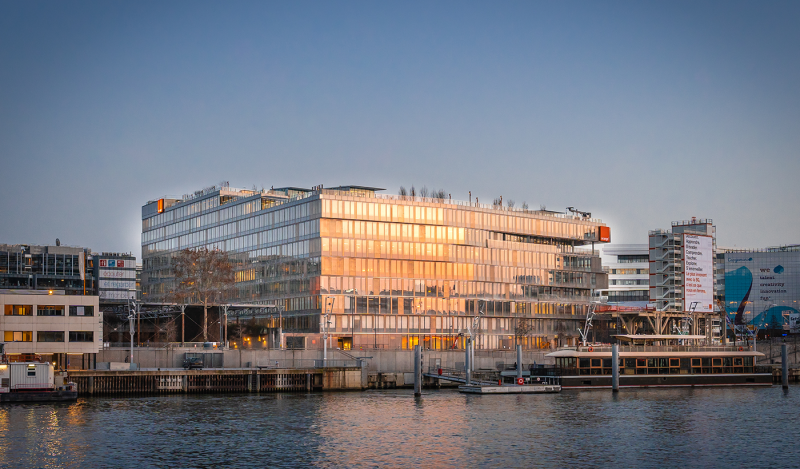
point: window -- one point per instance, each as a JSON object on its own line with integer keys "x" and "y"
{"x": 695, "y": 362}
{"x": 716, "y": 362}
{"x": 81, "y": 336}
{"x": 674, "y": 362}
{"x": 50, "y": 336}
{"x": 737, "y": 361}
{"x": 641, "y": 363}
{"x": 81, "y": 310}
{"x": 19, "y": 310}
{"x": 18, "y": 336}
{"x": 596, "y": 363}
{"x": 54, "y": 310}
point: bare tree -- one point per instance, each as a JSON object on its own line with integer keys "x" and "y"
{"x": 413, "y": 192}
{"x": 524, "y": 205}
{"x": 510, "y": 203}
{"x": 204, "y": 277}
{"x": 440, "y": 194}
{"x": 403, "y": 191}
{"x": 423, "y": 192}
{"x": 524, "y": 328}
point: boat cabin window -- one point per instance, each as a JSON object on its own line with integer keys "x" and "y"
{"x": 606, "y": 363}
{"x": 674, "y": 362}
{"x": 737, "y": 361}
{"x": 695, "y": 362}
{"x": 630, "y": 362}
{"x": 584, "y": 363}
{"x": 716, "y": 362}
{"x": 641, "y": 363}
{"x": 596, "y": 363}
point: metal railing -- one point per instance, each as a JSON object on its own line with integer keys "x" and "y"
{"x": 307, "y": 363}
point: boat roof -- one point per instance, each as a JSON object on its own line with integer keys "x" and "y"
{"x": 597, "y": 352}
{"x": 632, "y": 337}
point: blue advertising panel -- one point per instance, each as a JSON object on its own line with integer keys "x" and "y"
{"x": 763, "y": 288}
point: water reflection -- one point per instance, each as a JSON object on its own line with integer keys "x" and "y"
{"x": 643, "y": 428}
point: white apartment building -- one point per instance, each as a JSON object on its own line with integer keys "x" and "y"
{"x": 628, "y": 270}
{"x": 66, "y": 330}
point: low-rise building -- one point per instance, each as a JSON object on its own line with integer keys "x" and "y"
{"x": 66, "y": 330}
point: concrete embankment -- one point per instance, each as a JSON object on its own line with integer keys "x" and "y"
{"x": 175, "y": 381}
{"x": 384, "y": 368}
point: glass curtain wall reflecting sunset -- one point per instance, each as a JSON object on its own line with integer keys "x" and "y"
{"x": 394, "y": 271}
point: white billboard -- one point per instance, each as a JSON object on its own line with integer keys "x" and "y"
{"x": 117, "y": 284}
{"x": 698, "y": 273}
{"x": 117, "y": 295}
{"x": 108, "y": 273}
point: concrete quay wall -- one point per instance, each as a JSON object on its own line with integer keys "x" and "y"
{"x": 220, "y": 380}
{"x": 385, "y": 368}
{"x": 381, "y": 361}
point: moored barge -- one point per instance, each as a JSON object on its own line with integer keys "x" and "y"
{"x": 590, "y": 367}
{"x": 34, "y": 382}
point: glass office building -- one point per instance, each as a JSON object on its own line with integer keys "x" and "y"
{"x": 392, "y": 271}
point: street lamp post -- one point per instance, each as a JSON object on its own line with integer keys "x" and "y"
{"x": 132, "y": 322}
{"x": 353, "y": 293}
{"x": 280, "y": 327}
{"x": 327, "y": 326}
{"x": 224, "y": 328}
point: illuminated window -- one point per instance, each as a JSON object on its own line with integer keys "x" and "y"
{"x": 18, "y": 336}
{"x": 18, "y": 310}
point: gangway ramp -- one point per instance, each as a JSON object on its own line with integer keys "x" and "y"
{"x": 457, "y": 376}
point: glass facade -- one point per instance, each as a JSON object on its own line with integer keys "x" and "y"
{"x": 46, "y": 268}
{"x": 393, "y": 271}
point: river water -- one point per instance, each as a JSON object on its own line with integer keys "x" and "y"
{"x": 753, "y": 427}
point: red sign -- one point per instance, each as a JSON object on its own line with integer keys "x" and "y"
{"x": 102, "y": 263}
{"x": 604, "y": 234}
{"x": 520, "y": 381}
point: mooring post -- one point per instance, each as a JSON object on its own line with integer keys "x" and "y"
{"x": 471, "y": 355}
{"x": 615, "y": 368}
{"x": 91, "y": 382}
{"x": 519, "y": 362}
{"x": 417, "y": 371}
{"x": 784, "y": 367}
{"x": 467, "y": 364}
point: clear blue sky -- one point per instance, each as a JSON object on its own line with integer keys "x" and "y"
{"x": 640, "y": 112}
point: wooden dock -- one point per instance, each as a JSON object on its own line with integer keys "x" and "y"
{"x": 224, "y": 380}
